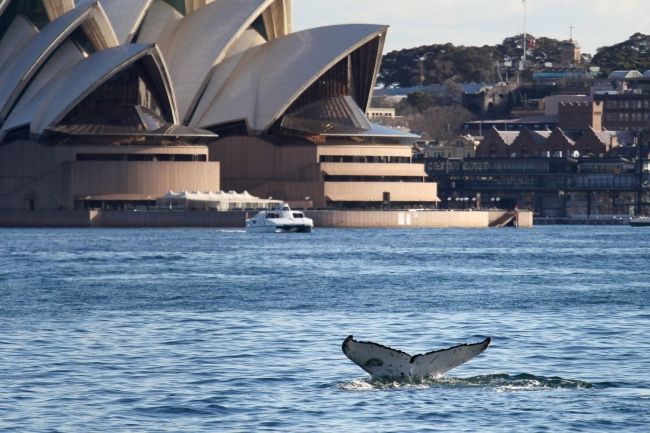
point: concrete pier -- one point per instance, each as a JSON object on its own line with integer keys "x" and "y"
{"x": 322, "y": 218}
{"x": 420, "y": 219}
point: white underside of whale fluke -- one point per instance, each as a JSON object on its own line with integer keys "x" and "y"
{"x": 383, "y": 362}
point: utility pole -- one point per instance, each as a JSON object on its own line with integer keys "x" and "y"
{"x": 643, "y": 162}
{"x": 639, "y": 140}
{"x": 523, "y": 63}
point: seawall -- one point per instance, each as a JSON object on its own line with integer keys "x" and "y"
{"x": 322, "y": 218}
{"x": 418, "y": 219}
{"x": 614, "y": 220}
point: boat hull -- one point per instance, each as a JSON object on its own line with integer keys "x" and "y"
{"x": 280, "y": 229}
{"x": 640, "y": 222}
{"x": 280, "y": 220}
{"x": 294, "y": 229}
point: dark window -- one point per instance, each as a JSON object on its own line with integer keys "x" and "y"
{"x": 140, "y": 157}
{"x": 260, "y": 28}
{"x": 100, "y": 157}
{"x": 366, "y": 159}
{"x": 231, "y": 129}
{"x": 329, "y": 178}
{"x": 112, "y": 103}
{"x": 22, "y": 133}
{"x": 81, "y": 40}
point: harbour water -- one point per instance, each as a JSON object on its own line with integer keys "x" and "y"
{"x": 204, "y": 330}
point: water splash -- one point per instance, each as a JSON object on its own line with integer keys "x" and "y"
{"x": 499, "y": 382}
{"x": 378, "y": 385}
{"x": 525, "y": 382}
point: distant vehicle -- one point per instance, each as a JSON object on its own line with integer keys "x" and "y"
{"x": 280, "y": 220}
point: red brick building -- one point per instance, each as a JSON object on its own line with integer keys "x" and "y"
{"x": 629, "y": 111}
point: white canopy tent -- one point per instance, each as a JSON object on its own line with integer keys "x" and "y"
{"x": 220, "y": 201}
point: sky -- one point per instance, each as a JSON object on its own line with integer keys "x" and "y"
{"x": 414, "y": 23}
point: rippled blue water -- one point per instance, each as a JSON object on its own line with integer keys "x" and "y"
{"x": 209, "y": 330}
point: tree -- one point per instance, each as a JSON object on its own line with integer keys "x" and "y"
{"x": 440, "y": 122}
{"x": 631, "y": 54}
{"x": 438, "y": 63}
{"x": 420, "y": 100}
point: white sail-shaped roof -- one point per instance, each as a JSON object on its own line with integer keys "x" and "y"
{"x": 72, "y": 83}
{"x": 187, "y": 7}
{"x": 200, "y": 42}
{"x": 65, "y": 57}
{"x": 125, "y": 16}
{"x": 218, "y": 61}
{"x": 270, "y": 77}
{"x": 226, "y": 69}
{"x": 159, "y": 24}
{"x": 18, "y": 34}
{"x": 16, "y": 75}
{"x": 81, "y": 80}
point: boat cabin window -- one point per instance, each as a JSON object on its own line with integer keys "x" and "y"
{"x": 272, "y": 215}
{"x": 298, "y": 215}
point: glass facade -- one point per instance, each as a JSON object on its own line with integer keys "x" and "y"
{"x": 139, "y": 157}
{"x": 112, "y": 103}
{"x": 365, "y": 159}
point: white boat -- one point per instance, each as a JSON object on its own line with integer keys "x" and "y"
{"x": 282, "y": 219}
{"x": 640, "y": 221}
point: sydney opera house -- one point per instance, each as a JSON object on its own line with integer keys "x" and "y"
{"x": 113, "y": 103}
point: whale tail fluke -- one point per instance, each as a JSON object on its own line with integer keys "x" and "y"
{"x": 384, "y": 362}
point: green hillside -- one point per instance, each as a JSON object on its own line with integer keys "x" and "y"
{"x": 631, "y": 54}
{"x": 435, "y": 64}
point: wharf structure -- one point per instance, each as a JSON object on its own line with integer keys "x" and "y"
{"x": 593, "y": 174}
{"x": 111, "y": 104}
{"x": 583, "y": 157}
{"x": 411, "y": 219}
